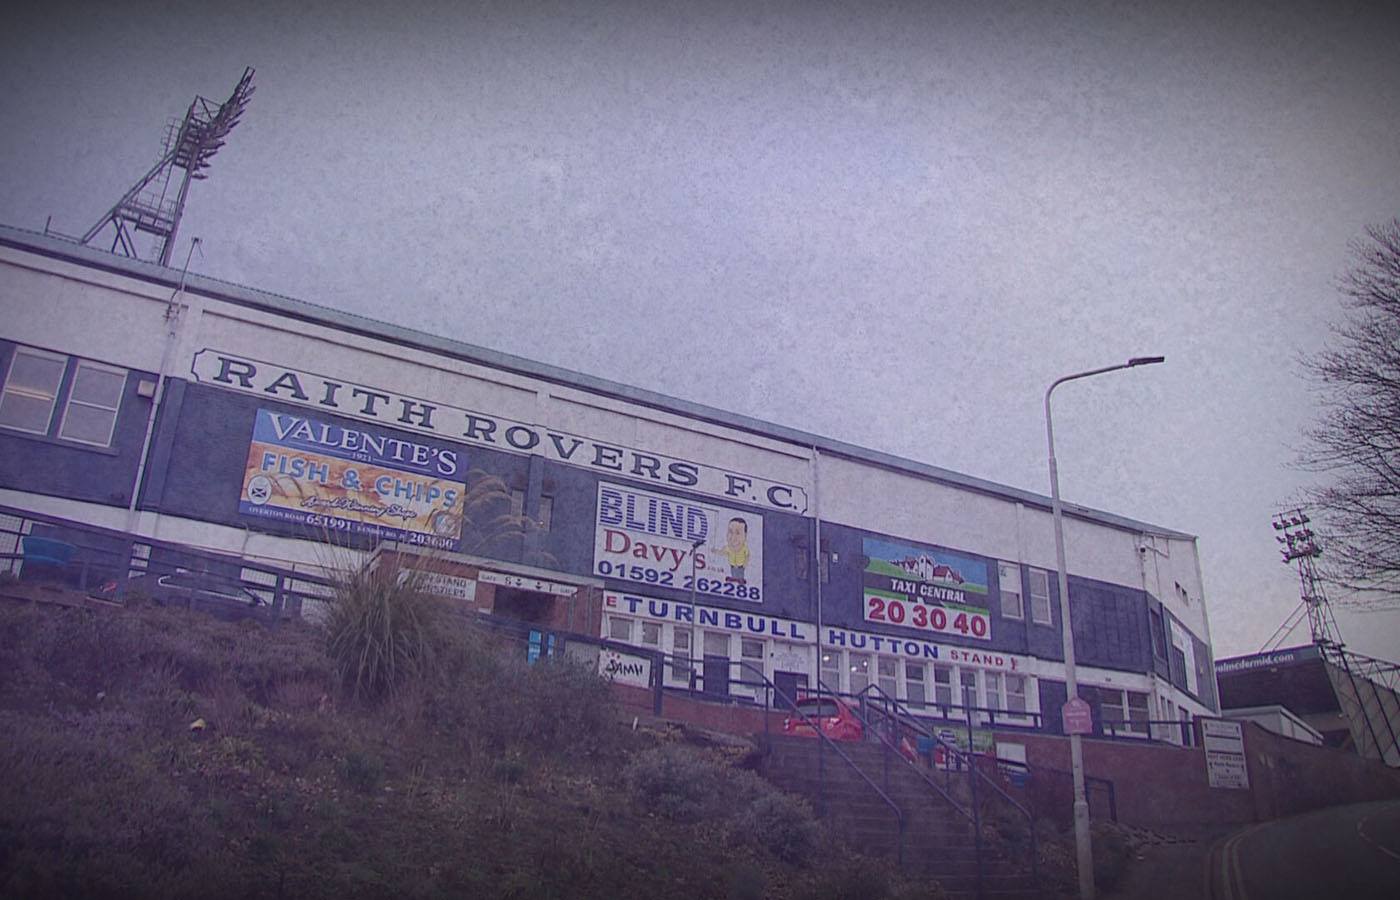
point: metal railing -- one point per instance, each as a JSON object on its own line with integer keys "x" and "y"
{"x": 873, "y": 697}
{"x": 660, "y": 661}
{"x": 99, "y": 556}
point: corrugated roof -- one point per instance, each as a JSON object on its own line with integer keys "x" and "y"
{"x": 70, "y": 251}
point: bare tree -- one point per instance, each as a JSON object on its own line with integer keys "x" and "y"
{"x": 1356, "y": 440}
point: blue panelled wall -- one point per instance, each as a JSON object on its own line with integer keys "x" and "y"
{"x": 199, "y": 455}
{"x": 49, "y": 464}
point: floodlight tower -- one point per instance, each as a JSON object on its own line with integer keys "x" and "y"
{"x": 1300, "y": 546}
{"x": 146, "y": 207}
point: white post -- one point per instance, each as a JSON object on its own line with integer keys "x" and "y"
{"x": 1083, "y": 848}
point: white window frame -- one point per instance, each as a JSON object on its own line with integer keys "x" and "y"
{"x": 851, "y": 658}
{"x": 682, "y": 662}
{"x": 837, "y": 668}
{"x": 114, "y": 410}
{"x": 615, "y": 620}
{"x": 28, "y": 392}
{"x": 910, "y": 667}
{"x": 1010, "y": 573}
{"x": 1026, "y": 683}
{"x": 1031, "y": 594}
{"x": 951, "y": 699}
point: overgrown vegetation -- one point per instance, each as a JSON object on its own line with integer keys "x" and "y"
{"x": 159, "y": 753}
{"x": 383, "y": 630}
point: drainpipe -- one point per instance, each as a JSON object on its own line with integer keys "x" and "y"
{"x": 173, "y": 320}
{"x": 817, "y": 553}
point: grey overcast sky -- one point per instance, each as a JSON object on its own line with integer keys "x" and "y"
{"x": 893, "y": 224}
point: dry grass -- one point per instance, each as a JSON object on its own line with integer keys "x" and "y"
{"x": 483, "y": 776}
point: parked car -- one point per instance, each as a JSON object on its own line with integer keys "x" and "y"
{"x": 832, "y": 715}
{"x": 839, "y": 722}
{"x": 220, "y": 597}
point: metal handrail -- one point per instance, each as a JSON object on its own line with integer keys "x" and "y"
{"x": 902, "y": 716}
{"x": 888, "y": 744}
{"x": 791, "y": 703}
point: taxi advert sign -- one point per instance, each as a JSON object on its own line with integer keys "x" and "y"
{"x": 1076, "y": 717}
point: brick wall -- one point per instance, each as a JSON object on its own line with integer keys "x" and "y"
{"x": 1157, "y": 784}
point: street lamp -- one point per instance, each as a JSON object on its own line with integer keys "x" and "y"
{"x": 1083, "y": 849}
{"x": 695, "y": 545}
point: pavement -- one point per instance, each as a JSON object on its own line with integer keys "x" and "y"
{"x": 1169, "y": 863}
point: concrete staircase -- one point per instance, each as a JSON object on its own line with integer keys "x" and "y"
{"x": 938, "y": 839}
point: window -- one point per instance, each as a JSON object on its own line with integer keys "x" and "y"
{"x": 914, "y": 684}
{"x": 546, "y": 513}
{"x": 651, "y": 634}
{"x": 1137, "y": 712}
{"x": 716, "y": 644}
{"x": 93, "y": 401}
{"x": 1016, "y": 693}
{"x": 831, "y": 670}
{"x": 887, "y": 672}
{"x": 860, "y": 672}
{"x": 620, "y": 629}
{"x": 1040, "y": 596}
{"x": 1009, "y": 577}
{"x": 943, "y": 685}
{"x": 680, "y": 649}
{"x": 967, "y": 678}
{"x": 996, "y": 697}
{"x": 31, "y": 387}
{"x": 517, "y": 503}
{"x": 1159, "y": 636}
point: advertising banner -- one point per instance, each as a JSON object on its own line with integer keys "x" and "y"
{"x": 336, "y": 479}
{"x": 925, "y": 589}
{"x": 650, "y": 539}
{"x": 439, "y": 418}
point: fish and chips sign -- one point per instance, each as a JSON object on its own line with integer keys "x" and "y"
{"x": 327, "y": 477}
{"x": 344, "y": 397}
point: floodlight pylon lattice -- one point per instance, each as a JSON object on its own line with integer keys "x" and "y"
{"x": 1363, "y": 702}
{"x": 147, "y": 207}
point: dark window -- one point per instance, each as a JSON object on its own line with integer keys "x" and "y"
{"x": 1159, "y": 636}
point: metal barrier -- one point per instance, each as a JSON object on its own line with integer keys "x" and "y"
{"x": 100, "y": 556}
{"x": 770, "y": 691}
{"x": 873, "y": 697}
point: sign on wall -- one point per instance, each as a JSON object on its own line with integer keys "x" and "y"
{"x": 924, "y": 589}
{"x": 346, "y": 398}
{"x": 1223, "y": 741}
{"x": 624, "y": 668}
{"x": 655, "y": 539}
{"x": 327, "y": 477}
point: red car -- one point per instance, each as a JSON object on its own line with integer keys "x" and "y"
{"x": 831, "y": 714}
{"x": 838, "y": 722}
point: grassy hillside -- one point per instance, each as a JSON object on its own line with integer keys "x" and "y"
{"x": 157, "y": 753}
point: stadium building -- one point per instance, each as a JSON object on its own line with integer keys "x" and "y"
{"x": 152, "y": 420}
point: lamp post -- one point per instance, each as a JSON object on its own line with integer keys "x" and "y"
{"x": 1083, "y": 849}
{"x": 695, "y": 545}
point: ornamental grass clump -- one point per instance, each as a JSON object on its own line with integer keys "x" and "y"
{"x": 383, "y": 630}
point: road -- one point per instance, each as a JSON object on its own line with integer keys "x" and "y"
{"x": 1349, "y": 851}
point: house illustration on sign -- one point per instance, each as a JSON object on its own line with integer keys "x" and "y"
{"x": 925, "y": 568}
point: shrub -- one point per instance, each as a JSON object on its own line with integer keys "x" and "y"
{"x": 782, "y": 824}
{"x": 383, "y": 630}
{"x": 678, "y": 783}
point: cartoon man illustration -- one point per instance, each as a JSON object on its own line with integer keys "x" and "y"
{"x": 736, "y": 548}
